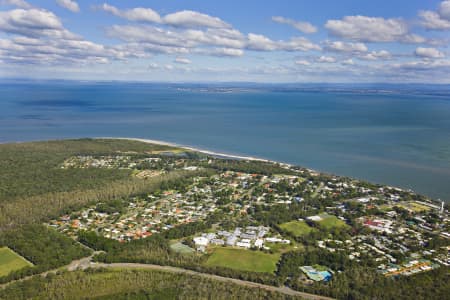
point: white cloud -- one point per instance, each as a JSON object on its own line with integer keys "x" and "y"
{"x": 371, "y": 29}
{"x": 298, "y": 44}
{"x": 17, "y": 3}
{"x": 375, "y": 55}
{"x": 428, "y": 52}
{"x": 302, "y": 62}
{"x": 138, "y": 14}
{"x": 169, "y": 67}
{"x": 225, "y": 52}
{"x": 185, "y": 18}
{"x": 31, "y": 22}
{"x": 348, "y": 62}
{"x": 182, "y": 60}
{"x": 444, "y": 9}
{"x": 304, "y": 27}
{"x": 326, "y": 59}
{"x": 338, "y": 46}
{"x": 153, "y": 66}
{"x": 39, "y": 37}
{"x": 69, "y": 4}
{"x": 260, "y": 43}
{"x": 424, "y": 65}
{"x": 433, "y": 21}
{"x": 189, "y": 18}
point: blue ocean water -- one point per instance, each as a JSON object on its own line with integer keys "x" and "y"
{"x": 392, "y": 135}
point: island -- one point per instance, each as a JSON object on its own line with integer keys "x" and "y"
{"x": 141, "y": 219}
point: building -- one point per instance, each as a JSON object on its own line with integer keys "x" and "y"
{"x": 201, "y": 241}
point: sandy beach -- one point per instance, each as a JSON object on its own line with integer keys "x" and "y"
{"x": 208, "y": 152}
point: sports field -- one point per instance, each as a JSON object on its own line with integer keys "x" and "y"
{"x": 297, "y": 228}
{"x": 11, "y": 261}
{"x": 245, "y": 260}
{"x": 330, "y": 222}
{"x": 413, "y": 206}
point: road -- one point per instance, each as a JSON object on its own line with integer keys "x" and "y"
{"x": 284, "y": 289}
{"x": 86, "y": 262}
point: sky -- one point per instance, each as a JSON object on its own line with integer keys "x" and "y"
{"x": 329, "y": 41}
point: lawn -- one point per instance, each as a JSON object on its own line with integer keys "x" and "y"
{"x": 414, "y": 206}
{"x": 245, "y": 260}
{"x": 297, "y": 228}
{"x": 330, "y": 222}
{"x": 181, "y": 248}
{"x": 11, "y": 261}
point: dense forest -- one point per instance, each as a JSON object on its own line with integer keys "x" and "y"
{"x": 33, "y": 189}
{"x": 30, "y": 169}
{"x": 44, "y": 247}
{"x": 131, "y": 284}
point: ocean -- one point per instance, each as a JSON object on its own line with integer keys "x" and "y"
{"x": 395, "y": 135}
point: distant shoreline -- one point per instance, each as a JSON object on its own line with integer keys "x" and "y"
{"x": 233, "y": 156}
{"x": 209, "y": 152}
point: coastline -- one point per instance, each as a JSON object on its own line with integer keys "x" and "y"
{"x": 241, "y": 157}
{"x": 191, "y": 148}
{"x": 249, "y": 158}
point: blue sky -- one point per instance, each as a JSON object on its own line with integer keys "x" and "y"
{"x": 200, "y": 41}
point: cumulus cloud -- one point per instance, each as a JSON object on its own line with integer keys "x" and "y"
{"x": 17, "y": 3}
{"x": 433, "y": 21}
{"x": 444, "y": 9}
{"x": 260, "y": 43}
{"x": 302, "y": 62}
{"x": 39, "y": 37}
{"x": 185, "y": 18}
{"x": 436, "y": 20}
{"x": 176, "y": 38}
{"x": 298, "y": 44}
{"x": 137, "y": 14}
{"x": 423, "y": 65}
{"x": 189, "y": 18}
{"x": 304, "y": 27}
{"x": 348, "y": 62}
{"x": 182, "y": 60}
{"x": 69, "y": 4}
{"x": 326, "y": 59}
{"x": 224, "y": 52}
{"x": 30, "y": 22}
{"x": 338, "y": 46}
{"x": 428, "y": 53}
{"x": 376, "y": 55}
{"x": 371, "y": 29}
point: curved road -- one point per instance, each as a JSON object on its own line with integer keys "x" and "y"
{"x": 284, "y": 289}
{"x": 86, "y": 262}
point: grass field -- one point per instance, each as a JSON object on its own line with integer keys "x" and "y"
{"x": 11, "y": 261}
{"x": 414, "y": 206}
{"x": 181, "y": 248}
{"x": 330, "y": 222}
{"x": 245, "y": 260}
{"x": 297, "y": 228}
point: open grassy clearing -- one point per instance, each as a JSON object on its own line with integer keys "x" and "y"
{"x": 245, "y": 260}
{"x": 330, "y": 222}
{"x": 181, "y": 248}
{"x": 414, "y": 206}
{"x": 11, "y": 261}
{"x": 297, "y": 228}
